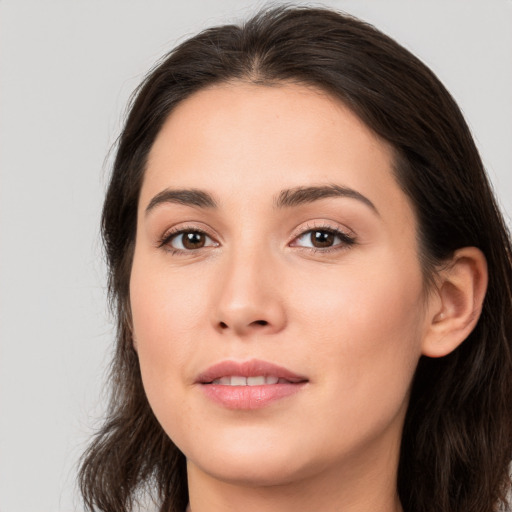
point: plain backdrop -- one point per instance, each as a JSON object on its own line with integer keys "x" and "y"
{"x": 67, "y": 70}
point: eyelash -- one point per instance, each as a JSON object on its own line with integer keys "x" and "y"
{"x": 168, "y": 236}
{"x": 346, "y": 240}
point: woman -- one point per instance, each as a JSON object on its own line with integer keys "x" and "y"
{"x": 312, "y": 283}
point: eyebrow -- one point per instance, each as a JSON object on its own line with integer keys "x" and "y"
{"x": 304, "y": 195}
{"x": 285, "y": 199}
{"x": 187, "y": 197}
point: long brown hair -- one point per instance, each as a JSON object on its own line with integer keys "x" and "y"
{"x": 457, "y": 438}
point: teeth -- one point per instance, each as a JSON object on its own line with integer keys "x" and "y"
{"x": 238, "y": 380}
{"x": 255, "y": 381}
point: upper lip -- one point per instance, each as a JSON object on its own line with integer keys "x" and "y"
{"x": 252, "y": 368}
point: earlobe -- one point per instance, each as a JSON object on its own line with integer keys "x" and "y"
{"x": 456, "y": 304}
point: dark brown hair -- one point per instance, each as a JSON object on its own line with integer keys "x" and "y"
{"x": 457, "y": 438}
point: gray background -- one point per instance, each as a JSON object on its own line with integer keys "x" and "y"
{"x": 67, "y": 69}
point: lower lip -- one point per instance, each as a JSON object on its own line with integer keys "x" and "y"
{"x": 250, "y": 397}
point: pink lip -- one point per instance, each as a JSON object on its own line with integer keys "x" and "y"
{"x": 249, "y": 397}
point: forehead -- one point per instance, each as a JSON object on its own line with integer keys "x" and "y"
{"x": 261, "y": 138}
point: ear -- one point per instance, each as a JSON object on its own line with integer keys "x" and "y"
{"x": 455, "y": 305}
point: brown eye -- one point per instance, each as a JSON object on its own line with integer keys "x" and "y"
{"x": 193, "y": 240}
{"x": 322, "y": 238}
{"x": 190, "y": 240}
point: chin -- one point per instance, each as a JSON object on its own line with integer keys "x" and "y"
{"x": 247, "y": 472}
{"x": 249, "y": 463}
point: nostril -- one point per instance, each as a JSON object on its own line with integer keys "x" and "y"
{"x": 224, "y": 325}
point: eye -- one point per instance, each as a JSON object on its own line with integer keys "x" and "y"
{"x": 188, "y": 240}
{"x": 323, "y": 238}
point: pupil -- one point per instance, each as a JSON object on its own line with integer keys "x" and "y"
{"x": 322, "y": 238}
{"x": 193, "y": 240}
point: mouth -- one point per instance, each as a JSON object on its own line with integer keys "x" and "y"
{"x": 249, "y": 385}
{"x": 248, "y": 373}
{"x": 240, "y": 380}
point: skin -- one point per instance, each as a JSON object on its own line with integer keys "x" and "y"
{"x": 353, "y": 318}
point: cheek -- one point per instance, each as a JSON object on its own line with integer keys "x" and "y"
{"x": 166, "y": 309}
{"x": 166, "y": 304}
{"x": 366, "y": 327}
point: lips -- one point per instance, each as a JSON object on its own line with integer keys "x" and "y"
{"x": 253, "y": 368}
{"x": 249, "y": 385}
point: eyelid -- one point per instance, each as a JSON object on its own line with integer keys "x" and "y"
{"x": 347, "y": 236}
{"x": 174, "y": 231}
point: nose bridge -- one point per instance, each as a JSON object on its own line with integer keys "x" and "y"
{"x": 248, "y": 296}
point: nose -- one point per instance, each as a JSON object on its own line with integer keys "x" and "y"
{"x": 250, "y": 298}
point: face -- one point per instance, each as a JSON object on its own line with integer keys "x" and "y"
{"x": 276, "y": 291}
